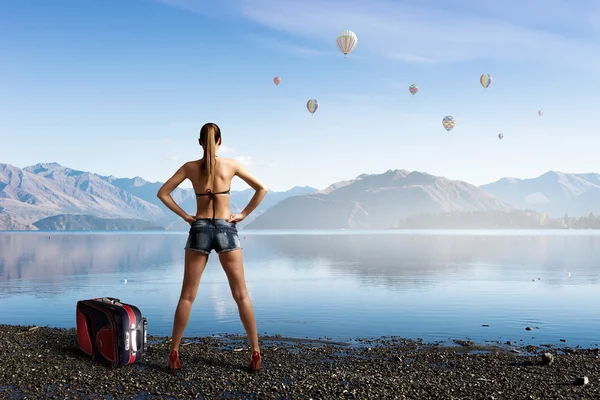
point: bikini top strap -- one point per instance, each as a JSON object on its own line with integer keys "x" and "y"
{"x": 211, "y": 194}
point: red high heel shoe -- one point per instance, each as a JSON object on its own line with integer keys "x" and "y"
{"x": 174, "y": 362}
{"x": 255, "y": 361}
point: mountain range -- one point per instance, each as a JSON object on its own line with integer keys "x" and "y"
{"x": 48, "y": 189}
{"x": 377, "y": 201}
{"x": 382, "y": 200}
{"x": 553, "y": 193}
{"x": 45, "y": 190}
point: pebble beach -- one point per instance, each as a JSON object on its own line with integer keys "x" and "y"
{"x": 45, "y": 363}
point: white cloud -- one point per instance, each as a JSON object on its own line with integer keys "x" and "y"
{"x": 578, "y": 15}
{"x": 417, "y": 34}
{"x": 171, "y": 158}
{"x": 434, "y": 31}
{"x": 290, "y": 48}
{"x": 245, "y": 160}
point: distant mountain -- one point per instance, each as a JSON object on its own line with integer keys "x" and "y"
{"x": 146, "y": 191}
{"x": 49, "y": 189}
{"x": 26, "y": 197}
{"x": 239, "y": 200}
{"x": 554, "y": 193}
{"x": 124, "y": 202}
{"x": 68, "y": 222}
{"x": 45, "y": 190}
{"x": 186, "y": 198}
{"x": 377, "y": 201}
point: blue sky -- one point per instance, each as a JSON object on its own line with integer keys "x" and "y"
{"x": 122, "y": 86}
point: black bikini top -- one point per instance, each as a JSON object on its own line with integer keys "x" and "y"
{"x": 211, "y": 196}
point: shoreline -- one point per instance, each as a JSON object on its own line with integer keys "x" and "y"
{"x": 46, "y": 363}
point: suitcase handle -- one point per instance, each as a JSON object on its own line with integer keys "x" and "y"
{"x": 145, "y": 325}
{"x": 110, "y": 300}
{"x": 141, "y": 336}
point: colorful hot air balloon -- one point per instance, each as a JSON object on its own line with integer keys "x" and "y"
{"x": 500, "y": 136}
{"x": 413, "y": 89}
{"x": 346, "y": 42}
{"x": 486, "y": 80}
{"x": 540, "y": 113}
{"x": 277, "y": 80}
{"x": 448, "y": 122}
{"x": 312, "y": 105}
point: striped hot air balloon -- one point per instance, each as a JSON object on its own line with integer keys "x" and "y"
{"x": 346, "y": 42}
{"x": 540, "y": 113}
{"x": 500, "y": 136}
{"x": 485, "y": 80}
{"x": 312, "y": 105}
{"x": 448, "y": 122}
{"x": 413, "y": 89}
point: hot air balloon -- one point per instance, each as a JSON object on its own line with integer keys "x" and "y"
{"x": 500, "y": 136}
{"x": 413, "y": 89}
{"x": 540, "y": 113}
{"x": 346, "y": 42}
{"x": 277, "y": 80}
{"x": 448, "y": 122}
{"x": 486, "y": 80}
{"x": 312, "y": 105}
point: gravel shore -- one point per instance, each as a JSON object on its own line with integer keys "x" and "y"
{"x": 46, "y": 363}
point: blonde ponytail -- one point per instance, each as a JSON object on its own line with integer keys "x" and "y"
{"x": 210, "y": 134}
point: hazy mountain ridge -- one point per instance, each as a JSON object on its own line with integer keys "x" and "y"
{"x": 554, "y": 193}
{"x": 48, "y": 189}
{"x": 97, "y": 186}
{"x": 368, "y": 201}
{"x": 26, "y": 197}
{"x": 377, "y": 201}
{"x": 68, "y": 222}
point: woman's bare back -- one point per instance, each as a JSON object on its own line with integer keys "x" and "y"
{"x": 225, "y": 170}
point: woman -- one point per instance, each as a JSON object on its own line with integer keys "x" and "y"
{"x": 213, "y": 227}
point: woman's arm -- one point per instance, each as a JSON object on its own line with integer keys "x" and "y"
{"x": 164, "y": 193}
{"x": 254, "y": 183}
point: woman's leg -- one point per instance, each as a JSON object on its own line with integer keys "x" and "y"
{"x": 233, "y": 265}
{"x": 195, "y": 262}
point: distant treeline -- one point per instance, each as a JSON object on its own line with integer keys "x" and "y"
{"x": 69, "y": 222}
{"x": 517, "y": 219}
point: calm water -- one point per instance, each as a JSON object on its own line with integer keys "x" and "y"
{"x": 341, "y": 285}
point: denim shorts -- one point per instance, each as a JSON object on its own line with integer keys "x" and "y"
{"x": 204, "y": 236}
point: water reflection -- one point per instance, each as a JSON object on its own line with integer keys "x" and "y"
{"x": 49, "y": 259}
{"x": 29, "y": 256}
{"x": 398, "y": 260}
{"x": 340, "y": 285}
{"x": 392, "y": 260}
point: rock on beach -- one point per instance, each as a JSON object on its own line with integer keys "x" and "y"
{"x": 46, "y": 363}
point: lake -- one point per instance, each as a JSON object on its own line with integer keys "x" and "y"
{"x": 435, "y": 285}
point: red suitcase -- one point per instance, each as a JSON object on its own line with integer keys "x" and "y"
{"x": 113, "y": 333}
